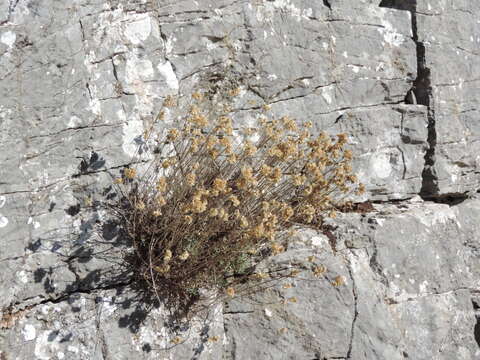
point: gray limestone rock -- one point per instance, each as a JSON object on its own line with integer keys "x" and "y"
{"x": 79, "y": 83}
{"x": 405, "y": 295}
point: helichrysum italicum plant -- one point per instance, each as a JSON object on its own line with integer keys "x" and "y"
{"x": 216, "y": 199}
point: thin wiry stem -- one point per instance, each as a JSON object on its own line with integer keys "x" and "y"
{"x": 231, "y": 216}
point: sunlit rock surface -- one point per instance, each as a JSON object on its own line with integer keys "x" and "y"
{"x": 81, "y": 80}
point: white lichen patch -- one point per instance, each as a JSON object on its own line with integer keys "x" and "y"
{"x": 29, "y": 333}
{"x": 397, "y": 294}
{"x": 108, "y": 307}
{"x": 72, "y": 349}
{"x": 74, "y": 121}
{"x": 327, "y": 94}
{"x": 5, "y": 114}
{"x": 3, "y": 221}
{"x": 8, "y": 38}
{"x": 423, "y": 287}
{"x": 146, "y": 335}
{"x": 131, "y": 130}
{"x": 169, "y": 44}
{"x": 380, "y": 67}
{"x": 22, "y": 276}
{"x": 268, "y": 312}
{"x": 166, "y": 70}
{"x": 35, "y": 224}
{"x": 138, "y": 28}
{"x": 45, "y": 309}
{"x": 360, "y": 264}
{"x": 44, "y": 348}
{"x": 121, "y": 115}
{"x": 391, "y": 35}
{"x": 96, "y": 107}
{"x": 355, "y": 68}
{"x": 268, "y": 10}
{"x": 440, "y": 214}
{"x": 380, "y": 165}
{"x": 318, "y": 241}
{"x": 211, "y": 46}
{"x": 139, "y": 74}
{"x": 137, "y": 71}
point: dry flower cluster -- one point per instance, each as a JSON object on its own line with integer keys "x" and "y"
{"x": 217, "y": 199}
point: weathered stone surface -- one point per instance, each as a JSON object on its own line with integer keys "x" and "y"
{"x": 406, "y": 294}
{"x": 454, "y": 80}
{"x": 108, "y": 325}
{"x": 446, "y": 83}
{"x": 390, "y": 148}
{"x": 79, "y": 83}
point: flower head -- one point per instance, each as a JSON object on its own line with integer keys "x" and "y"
{"x": 130, "y": 173}
{"x": 230, "y": 291}
{"x": 162, "y": 184}
{"x": 184, "y": 256}
{"x": 220, "y": 185}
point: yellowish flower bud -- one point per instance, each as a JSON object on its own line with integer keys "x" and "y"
{"x": 220, "y": 185}
{"x": 184, "y": 256}
{"x": 234, "y": 200}
{"x": 243, "y": 222}
{"x": 168, "y": 256}
{"x": 173, "y": 134}
{"x": 319, "y": 270}
{"x": 338, "y": 281}
{"x": 160, "y": 200}
{"x": 169, "y": 101}
{"x": 191, "y": 177}
{"x": 162, "y": 269}
{"x": 230, "y": 291}
{"x": 130, "y": 173}
{"x": 176, "y": 340}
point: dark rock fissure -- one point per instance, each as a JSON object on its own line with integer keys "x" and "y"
{"x": 19, "y": 305}
{"x": 422, "y": 89}
{"x": 399, "y": 4}
{"x": 238, "y": 312}
{"x": 355, "y": 313}
{"x": 421, "y": 93}
{"x": 451, "y": 199}
{"x": 476, "y": 329}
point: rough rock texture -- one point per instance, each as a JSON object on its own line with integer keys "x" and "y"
{"x": 405, "y": 296}
{"x": 80, "y": 81}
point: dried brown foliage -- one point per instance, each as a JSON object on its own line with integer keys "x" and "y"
{"x": 216, "y": 199}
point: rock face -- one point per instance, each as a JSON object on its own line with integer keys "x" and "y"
{"x": 81, "y": 80}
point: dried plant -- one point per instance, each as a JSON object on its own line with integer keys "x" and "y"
{"x": 215, "y": 200}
